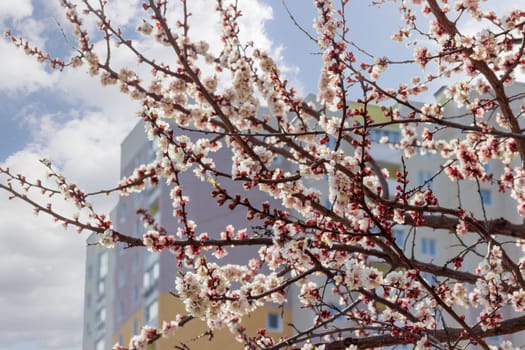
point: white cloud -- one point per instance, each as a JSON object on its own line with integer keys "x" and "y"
{"x": 18, "y": 71}
{"x": 41, "y": 273}
{"x": 471, "y": 26}
{"x": 15, "y": 9}
{"x": 21, "y": 73}
{"x": 122, "y": 12}
{"x": 251, "y": 23}
{"x": 41, "y": 265}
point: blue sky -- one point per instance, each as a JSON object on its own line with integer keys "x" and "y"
{"x": 69, "y": 118}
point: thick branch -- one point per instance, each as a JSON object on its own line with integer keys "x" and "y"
{"x": 442, "y": 335}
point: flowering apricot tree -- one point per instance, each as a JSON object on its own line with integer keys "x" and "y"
{"x": 348, "y": 232}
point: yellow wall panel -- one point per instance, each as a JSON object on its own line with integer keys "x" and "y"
{"x": 194, "y": 334}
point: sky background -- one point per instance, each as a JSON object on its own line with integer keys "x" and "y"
{"x": 69, "y": 118}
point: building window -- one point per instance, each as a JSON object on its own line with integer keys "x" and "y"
{"x": 100, "y": 345}
{"x": 486, "y": 197}
{"x": 123, "y": 212}
{"x": 274, "y": 322}
{"x": 151, "y": 312}
{"x": 88, "y": 301}
{"x": 121, "y": 278}
{"x": 120, "y": 339}
{"x": 146, "y": 281}
{"x": 88, "y": 330}
{"x": 155, "y": 270}
{"x": 399, "y": 235}
{"x": 100, "y": 317}
{"x": 428, "y": 246}
{"x": 487, "y": 168}
{"x": 430, "y": 278}
{"x": 101, "y": 287}
{"x": 151, "y": 276}
{"x": 135, "y": 327}
{"x": 121, "y": 310}
{"x": 102, "y": 265}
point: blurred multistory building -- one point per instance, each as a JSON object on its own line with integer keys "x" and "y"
{"x": 127, "y": 288}
{"x": 426, "y": 171}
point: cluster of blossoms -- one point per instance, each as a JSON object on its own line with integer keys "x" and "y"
{"x": 220, "y": 304}
{"x": 326, "y": 25}
{"x": 157, "y": 242}
{"x": 107, "y": 239}
{"x": 149, "y": 334}
{"x": 141, "y": 340}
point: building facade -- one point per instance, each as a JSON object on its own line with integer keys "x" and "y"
{"x": 425, "y": 171}
{"x": 133, "y": 287}
{"x": 98, "y": 296}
